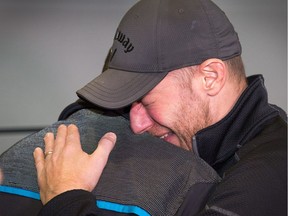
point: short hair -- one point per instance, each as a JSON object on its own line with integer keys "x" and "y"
{"x": 236, "y": 68}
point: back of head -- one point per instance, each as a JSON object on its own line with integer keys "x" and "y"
{"x": 155, "y": 37}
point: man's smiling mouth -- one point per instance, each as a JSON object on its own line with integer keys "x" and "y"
{"x": 165, "y": 135}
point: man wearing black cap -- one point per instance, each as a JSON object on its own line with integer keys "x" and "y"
{"x": 178, "y": 64}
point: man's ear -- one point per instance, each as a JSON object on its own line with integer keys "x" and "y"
{"x": 214, "y": 73}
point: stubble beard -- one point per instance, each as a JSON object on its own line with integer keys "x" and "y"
{"x": 191, "y": 119}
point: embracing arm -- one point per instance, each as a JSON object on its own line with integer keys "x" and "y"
{"x": 66, "y": 175}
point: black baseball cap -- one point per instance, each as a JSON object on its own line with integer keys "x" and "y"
{"x": 155, "y": 37}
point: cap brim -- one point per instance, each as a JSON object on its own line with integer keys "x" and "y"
{"x": 115, "y": 89}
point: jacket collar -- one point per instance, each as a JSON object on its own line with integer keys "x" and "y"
{"x": 220, "y": 141}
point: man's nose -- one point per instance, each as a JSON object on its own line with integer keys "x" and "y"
{"x": 140, "y": 121}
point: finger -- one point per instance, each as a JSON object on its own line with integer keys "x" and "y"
{"x": 1, "y": 176}
{"x": 73, "y": 137}
{"x": 39, "y": 164}
{"x": 39, "y": 159}
{"x": 49, "y": 142}
{"x": 105, "y": 146}
{"x": 60, "y": 139}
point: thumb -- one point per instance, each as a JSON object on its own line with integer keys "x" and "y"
{"x": 105, "y": 146}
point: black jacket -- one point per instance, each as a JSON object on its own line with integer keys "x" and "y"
{"x": 248, "y": 149}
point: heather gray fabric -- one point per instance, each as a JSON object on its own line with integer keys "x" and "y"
{"x": 142, "y": 171}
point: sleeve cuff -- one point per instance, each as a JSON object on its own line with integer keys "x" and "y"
{"x": 69, "y": 203}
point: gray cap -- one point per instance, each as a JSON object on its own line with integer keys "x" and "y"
{"x": 156, "y": 37}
